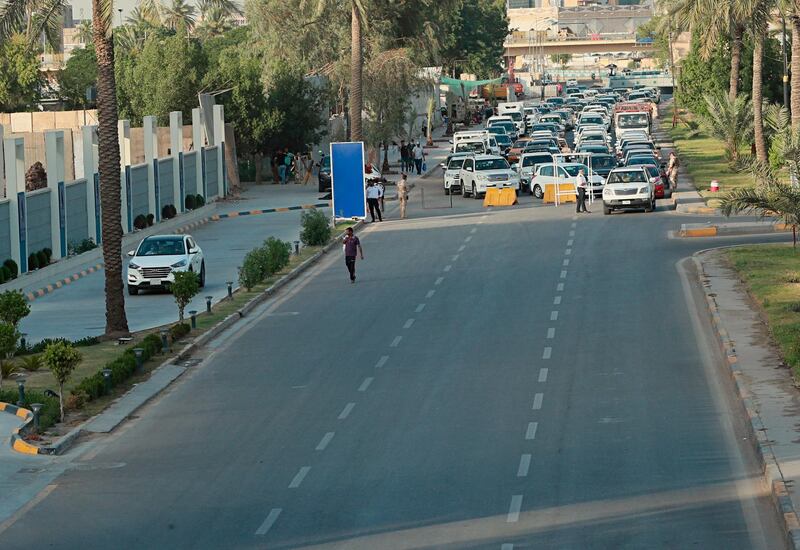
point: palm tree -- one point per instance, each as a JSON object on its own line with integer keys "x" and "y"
{"x": 85, "y": 32}
{"x": 214, "y": 23}
{"x": 229, "y": 8}
{"x": 142, "y": 17}
{"x": 779, "y": 200}
{"x": 758, "y": 13}
{"x": 151, "y": 11}
{"x": 180, "y": 13}
{"x": 15, "y": 17}
{"x": 730, "y": 122}
{"x": 792, "y": 10}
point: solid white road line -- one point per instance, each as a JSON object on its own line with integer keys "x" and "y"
{"x": 554, "y": 315}
{"x": 439, "y": 281}
{"x": 563, "y": 273}
{"x": 462, "y": 247}
{"x": 530, "y": 433}
{"x": 365, "y": 384}
{"x": 565, "y": 263}
{"x": 272, "y": 517}
{"x": 346, "y": 411}
{"x": 514, "y": 508}
{"x": 395, "y": 342}
{"x": 556, "y": 300}
{"x": 419, "y": 308}
{"x": 382, "y": 361}
{"x": 324, "y": 441}
{"x": 524, "y": 465}
{"x": 299, "y": 477}
{"x": 430, "y": 294}
{"x": 447, "y": 268}
{"x": 468, "y": 239}
{"x": 560, "y": 287}
{"x": 547, "y": 352}
{"x": 537, "y": 401}
{"x": 408, "y": 323}
{"x": 551, "y": 333}
{"x": 543, "y": 375}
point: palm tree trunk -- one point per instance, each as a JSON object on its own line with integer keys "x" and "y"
{"x": 758, "y": 121}
{"x": 109, "y": 168}
{"x": 356, "y": 67}
{"x": 736, "y": 58}
{"x": 795, "y": 68}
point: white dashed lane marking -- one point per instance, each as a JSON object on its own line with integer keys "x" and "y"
{"x": 299, "y": 477}
{"x": 455, "y": 257}
{"x": 524, "y": 465}
{"x": 568, "y": 252}
{"x": 382, "y": 361}
{"x": 395, "y": 342}
{"x": 565, "y": 263}
{"x": 272, "y": 517}
{"x": 324, "y": 441}
{"x": 439, "y": 281}
{"x": 430, "y": 294}
{"x": 556, "y": 300}
{"x": 448, "y": 267}
{"x": 537, "y": 401}
{"x": 560, "y": 287}
{"x": 473, "y": 230}
{"x": 564, "y": 274}
{"x": 569, "y": 242}
{"x": 543, "y": 375}
{"x": 551, "y": 333}
{"x": 468, "y": 239}
{"x": 419, "y": 308}
{"x": 346, "y": 411}
{"x": 530, "y": 433}
{"x": 408, "y": 323}
{"x": 554, "y": 315}
{"x": 548, "y": 351}
{"x": 365, "y": 384}
{"x": 571, "y": 233}
{"x": 462, "y": 247}
{"x": 514, "y": 508}
{"x": 507, "y": 546}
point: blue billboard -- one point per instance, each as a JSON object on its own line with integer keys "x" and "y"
{"x": 347, "y": 180}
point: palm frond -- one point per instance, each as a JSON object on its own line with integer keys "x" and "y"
{"x": 13, "y": 16}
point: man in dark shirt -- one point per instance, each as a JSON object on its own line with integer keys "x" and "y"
{"x": 351, "y": 246}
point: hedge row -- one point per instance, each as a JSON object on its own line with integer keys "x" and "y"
{"x": 50, "y": 411}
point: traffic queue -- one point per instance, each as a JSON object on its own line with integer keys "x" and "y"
{"x": 604, "y": 134}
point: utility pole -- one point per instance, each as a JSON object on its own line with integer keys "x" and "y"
{"x": 785, "y": 70}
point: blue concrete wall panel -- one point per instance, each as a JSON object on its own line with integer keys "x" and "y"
{"x": 211, "y": 173}
{"x": 166, "y": 192}
{"x": 5, "y": 231}
{"x": 190, "y": 161}
{"x": 139, "y": 204}
{"x": 38, "y": 210}
{"x": 77, "y": 220}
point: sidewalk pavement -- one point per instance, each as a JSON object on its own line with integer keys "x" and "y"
{"x": 765, "y": 385}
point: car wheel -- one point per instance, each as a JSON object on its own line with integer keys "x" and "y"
{"x": 202, "y": 274}
{"x": 463, "y": 190}
{"x": 474, "y": 192}
{"x": 537, "y": 192}
{"x": 132, "y": 290}
{"x": 606, "y": 210}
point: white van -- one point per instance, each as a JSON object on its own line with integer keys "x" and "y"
{"x": 477, "y": 142}
{"x": 516, "y": 110}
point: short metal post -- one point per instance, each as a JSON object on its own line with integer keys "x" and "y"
{"x": 21, "y": 387}
{"x": 230, "y": 288}
{"x": 107, "y": 379}
{"x": 23, "y": 342}
{"x": 139, "y": 359}
{"x": 297, "y": 247}
{"x": 165, "y": 340}
{"x": 36, "y": 408}
{"x": 193, "y": 314}
{"x": 208, "y": 304}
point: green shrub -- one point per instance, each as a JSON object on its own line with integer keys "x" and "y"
{"x": 151, "y": 345}
{"x": 13, "y": 307}
{"x": 199, "y": 201}
{"x": 278, "y": 253}
{"x": 150, "y": 220}
{"x": 32, "y": 363}
{"x": 316, "y": 228}
{"x": 48, "y": 252}
{"x": 188, "y": 202}
{"x": 253, "y": 269}
{"x": 42, "y": 257}
{"x": 86, "y": 341}
{"x": 48, "y": 415}
{"x": 3, "y": 276}
{"x": 84, "y": 246}
{"x": 140, "y": 221}
{"x": 62, "y": 359}
{"x": 93, "y": 386}
{"x": 5, "y": 273}
{"x": 178, "y": 331}
{"x": 185, "y": 287}
{"x": 7, "y": 368}
{"x": 12, "y": 266}
{"x": 33, "y": 262}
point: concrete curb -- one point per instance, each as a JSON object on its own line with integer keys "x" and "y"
{"x": 217, "y": 217}
{"x": 63, "y": 443}
{"x": 771, "y": 469}
{"x": 722, "y": 230}
{"x": 19, "y": 444}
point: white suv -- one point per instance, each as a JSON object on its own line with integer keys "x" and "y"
{"x": 628, "y": 189}
{"x": 157, "y": 259}
{"x": 484, "y": 171}
{"x": 452, "y": 172}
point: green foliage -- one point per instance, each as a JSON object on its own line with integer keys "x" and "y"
{"x": 188, "y": 202}
{"x": 8, "y": 339}
{"x": 32, "y": 363}
{"x": 561, "y": 58}
{"x": 7, "y": 368}
{"x": 185, "y": 287}
{"x": 62, "y": 359}
{"x": 199, "y": 201}
{"x": 12, "y": 266}
{"x": 179, "y": 330}
{"x": 699, "y": 78}
{"x": 316, "y": 228}
{"x": 79, "y": 73}
{"x": 21, "y": 81}
{"x": 42, "y": 258}
{"x": 729, "y": 121}
{"x": 80, "y": 247}
{"x": 474, "y": 36}
{"x": 49, "y": 413}
{"x": 657, "y": 29}
{"x": 140, "y": 221}
{"x": 253, "y": 269}
{"x": 13, "y": 307}
{"x": 278, "y": 253}
{"x": 264, "y": 261}
{"x": 33, "y": 261}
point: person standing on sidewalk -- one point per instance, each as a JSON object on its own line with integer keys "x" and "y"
{"x": 672, "y": 170}
{"x": 382, "y": 192}
{"x": 352, "y": 246}
{"x": 402, "y": 194}
{"x": 581, "y": 186}
{"x": 373, "y": 201}
{"x": 403, "y": 156}
{"x": 419, "y": 157}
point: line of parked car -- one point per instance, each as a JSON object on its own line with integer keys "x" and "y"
{"x": 524, "y": 147}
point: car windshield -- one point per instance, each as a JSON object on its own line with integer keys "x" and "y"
{"x": 593, "y": 137}
{"x": 652, "y": 170}
{"x": 503, "y": 140}
{"x": 540, "y": 127}
{"x": 498, "y": 130}
{"x": 591, "y": 120}
{"x": 603, "y": 161}
{"x": 491, "y": 164}
{"x": 572, "y": 169}
{"x": 455, "y": 164}
{"x": 162, "y": 246}
{"x": 536, "y": 159}
{"x": 515, "y": 115}
{"x": 520, "y": 144}
{"x": 638, "y": 120}
{"x": 470, "y": 147}
{"x": 643, "y": 159}
{"x": 636, "y": 176}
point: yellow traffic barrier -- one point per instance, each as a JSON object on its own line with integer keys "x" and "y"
{"x": 566, "y": 193}
{"x": 500, "y": 197}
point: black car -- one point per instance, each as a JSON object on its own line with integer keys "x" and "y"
{"x": 602, "y": 164}
{"x": 324, "y": 177}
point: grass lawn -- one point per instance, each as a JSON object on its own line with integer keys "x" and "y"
{"x": 95, "y": 357}
{"x": 704, "y": 159}
{"x": 772, "y": 274}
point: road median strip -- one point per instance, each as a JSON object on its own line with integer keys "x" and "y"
{"x": 731, "y": 229}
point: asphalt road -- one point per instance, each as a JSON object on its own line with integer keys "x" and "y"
{"x": 503, "y": 379}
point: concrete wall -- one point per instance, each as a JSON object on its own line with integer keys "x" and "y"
{"x": 139, "y": 192}
{"x": 77, "y": 220}
{"x": 211, "y": 173}
{"x": 5, "y": 231}
{"x": 40, "y": 121}
{"x": 166, "y": 193}
{"x": 190, "y": 173}
{"x": 38, "y": 214}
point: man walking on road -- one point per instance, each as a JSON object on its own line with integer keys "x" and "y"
{"x": 402, "y": 194}
{"x": 419, "y": 157}
{"x": 672, "y": 170}
{"x": 373, "y": 201}
{"x": 581, "y": 185}
{"x": 351, "y": 246}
